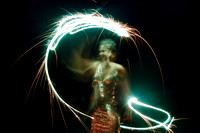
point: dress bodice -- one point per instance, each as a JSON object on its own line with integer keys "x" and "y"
{"x": 106, "y": 89}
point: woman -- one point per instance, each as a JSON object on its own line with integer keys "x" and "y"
{"x": 109, "y": 81}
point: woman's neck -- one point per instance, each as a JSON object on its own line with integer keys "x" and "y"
{"x": 105, "y": 63}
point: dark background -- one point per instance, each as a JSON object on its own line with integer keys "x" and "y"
{"x": 170, "y": 26}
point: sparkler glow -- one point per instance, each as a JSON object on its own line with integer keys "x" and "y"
{"x": 78, "y": 22}
{"x": 166, "y": 124}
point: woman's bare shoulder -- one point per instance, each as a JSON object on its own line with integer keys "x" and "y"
{"x": 121, "y": 70}
{"x": 117, "y": 66}
{"x": 94, "y": 65}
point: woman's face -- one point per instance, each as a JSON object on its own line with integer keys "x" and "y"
{"x": 104, "y": 52}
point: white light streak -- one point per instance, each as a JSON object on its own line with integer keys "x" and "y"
{"x": 166, "y": 124}
{"x": 76, "y": 23}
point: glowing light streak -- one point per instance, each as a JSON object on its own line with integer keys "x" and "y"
{"x": 166, "y": 124}
{"x": 75, "y": 23}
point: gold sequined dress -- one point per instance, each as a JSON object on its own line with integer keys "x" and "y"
{"x": 106, "y": 113}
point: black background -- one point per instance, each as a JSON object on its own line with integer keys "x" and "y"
{"x": 170, "y": 26}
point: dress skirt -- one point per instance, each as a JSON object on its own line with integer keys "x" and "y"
{"x": 105, "y": 121}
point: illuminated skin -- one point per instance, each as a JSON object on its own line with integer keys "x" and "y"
{"x": 75, "y": 23}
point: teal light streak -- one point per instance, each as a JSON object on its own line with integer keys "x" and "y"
{"x": 166, "y": 124}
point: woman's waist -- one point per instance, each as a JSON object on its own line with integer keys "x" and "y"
{"x": 107, "y": 106}
{"x": 107, "y": 100}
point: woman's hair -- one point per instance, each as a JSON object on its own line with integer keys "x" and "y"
{"x": 111, "y": 45}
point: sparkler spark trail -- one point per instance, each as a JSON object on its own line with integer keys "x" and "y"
{"x": 78, "y": 22}
{"x": 166, "y": 124}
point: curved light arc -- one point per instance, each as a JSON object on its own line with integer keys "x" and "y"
{"x": 166, "y": 124}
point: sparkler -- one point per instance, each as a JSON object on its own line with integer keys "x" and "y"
{"x": 78, "y": 22}
{"x": 166, "y": 124}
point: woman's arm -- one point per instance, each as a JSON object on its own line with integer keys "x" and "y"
{"x": 125, "y": 86}
{"x": 82, "y": 74}
{"x": 124, "y": 81}
{"x": 78, "y": 64}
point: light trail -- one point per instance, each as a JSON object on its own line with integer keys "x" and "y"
{"x": 78, "y": 22}
{"x": 166, "y": 124}
{"x": 75, "y": 23}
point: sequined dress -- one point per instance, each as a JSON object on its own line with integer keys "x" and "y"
{"x": 106, "y": 113}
